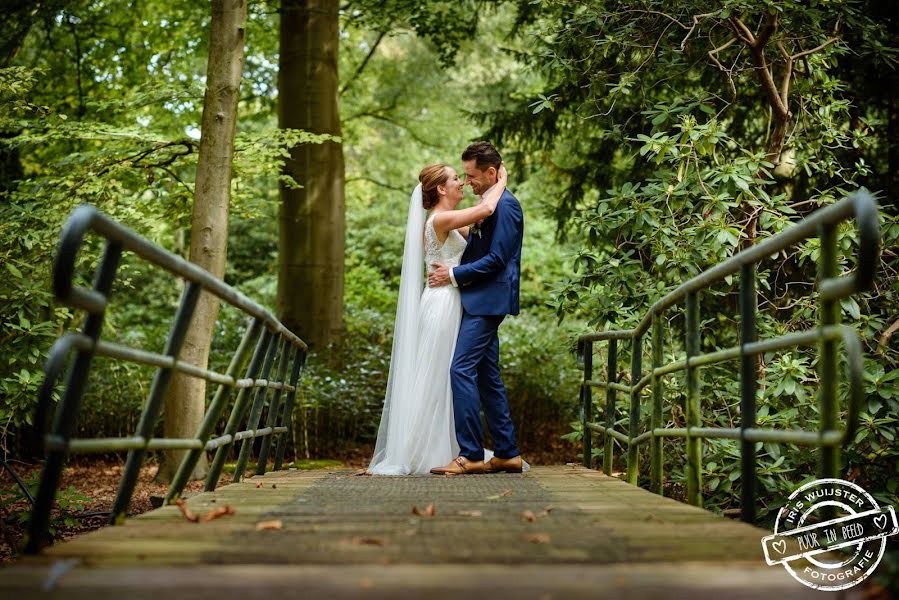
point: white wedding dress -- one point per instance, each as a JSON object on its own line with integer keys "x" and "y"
{"x": 417, "y": 430}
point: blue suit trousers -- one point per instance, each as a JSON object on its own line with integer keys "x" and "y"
{"x": 476, "y": 382}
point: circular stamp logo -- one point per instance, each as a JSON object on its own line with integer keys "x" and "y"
{"x": 830, "y": 535}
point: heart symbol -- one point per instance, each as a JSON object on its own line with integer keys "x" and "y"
{"x": 780, "y": 546}
{"x": 881, "y": 521}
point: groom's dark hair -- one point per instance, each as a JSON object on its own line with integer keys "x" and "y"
{"x": 483, "y": 154}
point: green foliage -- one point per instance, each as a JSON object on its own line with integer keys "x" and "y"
{"x": 128, "y": 146}
{"x": 661, "y": 145}
{"x": 15, "y": 507}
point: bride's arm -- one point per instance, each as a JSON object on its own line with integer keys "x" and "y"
{"x": 448, "y": 220}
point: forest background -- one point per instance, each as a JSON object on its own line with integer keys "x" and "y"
{"x": 646, "y": 142}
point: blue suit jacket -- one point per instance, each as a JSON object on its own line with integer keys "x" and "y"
{"x": 489, "y": 270}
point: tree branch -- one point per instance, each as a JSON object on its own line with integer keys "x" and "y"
{"x": 788, "y": 73}
{"x": 815, "y": 49}
{"x": 713, "y": 54}
{"x": 756, "y": 46}
{"x": 696, "y": 19}
{"x": 764, "y": 34}
{"x": 405, "y": 128}
{"x": 372, "y": 113}
{"x": 742, "y": 31}
{"x": 376, "y": 182}
{"x": 362, "y": 65}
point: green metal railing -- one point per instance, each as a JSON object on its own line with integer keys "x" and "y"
{"x": 831, "y": 289}
{"x": 271, "y": 344}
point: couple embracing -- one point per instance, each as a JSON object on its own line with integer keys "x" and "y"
{"x": 445, "y": 361}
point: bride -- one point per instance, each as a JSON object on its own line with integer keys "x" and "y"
{"x": 417, "y": 431}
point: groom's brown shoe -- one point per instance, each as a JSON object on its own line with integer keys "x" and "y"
{"x": 460, "y": 466}
{"x": 504, "y": 465}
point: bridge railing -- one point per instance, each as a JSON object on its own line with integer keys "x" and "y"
{"x": 268, "y": 344}
{"x": 831, "y": 288}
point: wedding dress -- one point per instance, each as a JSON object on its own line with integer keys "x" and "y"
{"x": 417, "y": 430}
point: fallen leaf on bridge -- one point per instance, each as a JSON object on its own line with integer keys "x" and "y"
{"x": 529, "y": 516}
{"x": 498, "y": 496}
{"x": 258, "y": 485}
{"x": 188, "y": 513}
{"x": 367, "y": 541}
{"x": 537, "y": 538}
{"x": 429, "y": 511}
{"x": 275, "y": 524}
{"x": 215, "y": 513}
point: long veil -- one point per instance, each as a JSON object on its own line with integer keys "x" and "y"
{"x": 394, "y": 429}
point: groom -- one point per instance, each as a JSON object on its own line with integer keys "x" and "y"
{"x": 487, "y": 278}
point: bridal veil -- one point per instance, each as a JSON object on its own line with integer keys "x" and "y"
{"x": 398, "y": 413}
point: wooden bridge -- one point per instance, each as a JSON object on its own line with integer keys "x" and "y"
{"x": 553, "y": 532}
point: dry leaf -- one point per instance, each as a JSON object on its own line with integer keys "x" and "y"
{"x": 528, "y": 516}
{"x": 259, "y": 485}
{"x": 274, "y": 486}
{"x": 469, "y": 513}
{"x": 275, "y": 524}
{"x": 537, "y": 538}
{"x": 429, "y": 511}
{"x": 506, "y": 493}
{"x": 368, "y": 541}
{"x": 188, "y": 514}
{"x": 213, "y": 500}
{"x": 215, "y": 513}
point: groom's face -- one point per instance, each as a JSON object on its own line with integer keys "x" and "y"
{"x": 480, "y": 181}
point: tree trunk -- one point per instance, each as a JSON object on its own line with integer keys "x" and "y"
{"x": 312, "y": 220}
{"x": 186, "y": 400}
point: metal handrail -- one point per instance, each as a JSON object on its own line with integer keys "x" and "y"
{"x": 831, "y": 289}
{"x": 270, "y": 341}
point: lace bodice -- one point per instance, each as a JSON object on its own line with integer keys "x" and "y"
{"x": 449, "y": 252}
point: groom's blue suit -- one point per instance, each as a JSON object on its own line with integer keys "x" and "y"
{"x": 487, "y": 276}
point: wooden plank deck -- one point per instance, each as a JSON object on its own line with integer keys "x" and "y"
{"x": 348, "y": 536}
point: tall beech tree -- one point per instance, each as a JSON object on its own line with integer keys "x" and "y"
{"x": 312, "y": 217}
{"x": 185, "y": 402}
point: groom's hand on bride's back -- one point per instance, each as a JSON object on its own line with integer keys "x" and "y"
{"x": 439, "y": 276}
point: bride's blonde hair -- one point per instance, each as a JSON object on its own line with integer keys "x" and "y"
{"x": 430, "y": 177}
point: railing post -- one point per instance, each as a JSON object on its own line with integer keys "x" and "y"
{"x": 273, "y": 408}
{"x": 633, "y": 466}
{"x": 213, "y": 413}
{"x": 828, "y": 369}
{"x": 694, "y": 444}
{"x": 150, "y": 414}
{"x": 66, "y": 417}
{"x": 587, "y": 398}
{"x": 655, "y": 448}
{"x": 748, "y": 384}
{"x": 298, "y": 362}
{"x": 277, "y": 346}
{"x": 612, "y": 377}
{"x": 262, "y": 350}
